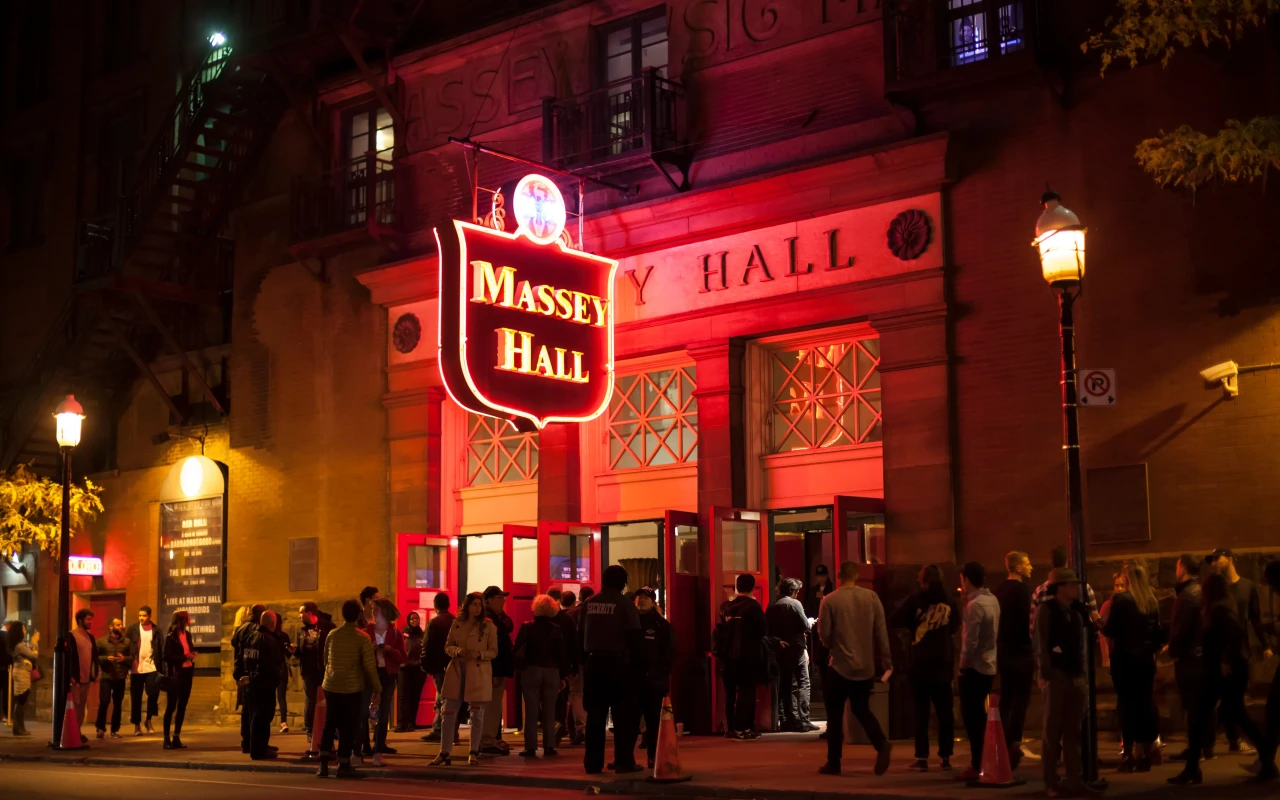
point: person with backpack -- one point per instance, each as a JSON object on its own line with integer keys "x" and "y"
{"x": 747, "y": 665}
{"x": 932, "y": 620}
{"x": 262, "y": 659}
{"x": 541, "y": 660}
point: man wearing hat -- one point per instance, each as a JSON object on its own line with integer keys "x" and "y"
{"x": 659, "y": 653}
{"x": 1249, "y": 611}
{"x": 504, "y": 667}
{"x": 1061, "y": 622}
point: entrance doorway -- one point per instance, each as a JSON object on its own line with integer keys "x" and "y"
{"x": 105, "y": 606}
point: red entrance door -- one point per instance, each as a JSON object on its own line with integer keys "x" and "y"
{"x": 739, "y": 544}
{"x": 569, "y": 556}
{"x": 520, "y": 580}
{"x": 425, "y": 567}
{"x": 685, "y": 600}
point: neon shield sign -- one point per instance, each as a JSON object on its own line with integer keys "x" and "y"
{"x": 526, "y": 322}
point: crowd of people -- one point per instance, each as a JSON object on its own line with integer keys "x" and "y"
{"x": 585, "y": 662}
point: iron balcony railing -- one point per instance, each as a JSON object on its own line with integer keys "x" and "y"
{"x": 638, "y": 117}
{"x": 363, "y": 195}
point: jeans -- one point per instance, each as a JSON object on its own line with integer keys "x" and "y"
{"x": 1016, "y": 674}
{"x": 409, "y": 686}
{"x": 150, "y": 683}
{"x": 539, "y": 685}
{"x": 362, "y": 741}
{"x": 1228, "y": 690}
{"x": 261, "y": 702}
{"x": 492, "y": 730}
{"x": 282, "y": 700}
{"x": 437, "y": 710}
{"x": 449, "y": 727}
{"x": 110, "y": 693}
{"x": 340, "y": 718}
{"x": 386, "y": 702}
{"x": 80, "y": 697}
{"x": 974, "y": 688}
{"x": 793, "y": 685}
{"x": 840, "y": 689}
{"x": 650, "y": 705}
{"x": 1064, "y": 709}
{"x": 309, "y": 686}
{"x": 577, "y": 713}
{"x": 609, "y": 686}
{"x": 176, "y": 700}
{"x": 739, "y": 700}
{"x": 936, "y": 692}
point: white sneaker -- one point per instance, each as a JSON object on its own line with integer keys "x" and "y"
{"x": 356, "y": 760}
{"x": 284, "y": 727}
{"x": 377, "y": 760}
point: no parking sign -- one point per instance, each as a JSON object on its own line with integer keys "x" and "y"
{"x": 1097, "y": 387}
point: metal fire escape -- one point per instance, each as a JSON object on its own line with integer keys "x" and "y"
{"x": 151, "y": 277}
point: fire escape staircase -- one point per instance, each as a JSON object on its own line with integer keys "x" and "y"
{"x": 149, "y": 282}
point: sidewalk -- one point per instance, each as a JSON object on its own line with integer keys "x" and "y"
{"x": 781, "y": 766}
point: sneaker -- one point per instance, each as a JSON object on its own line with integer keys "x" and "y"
{"x": 808, "y": 727}
{"x": 115, "y": 735}
{"x": 829, "y": 768}
{"x": 751, "y": 735}
{"x": 149, "y": 727}
{"x": 137, "y": 730}
{"x": 284, "y": 727}
{"x": 346, "y": 770}
{"x": 628, "y": 770}
{"x": 945, "y": 766}
{"x": 434, "y": 736}
{"x": 323, "y": 771}
{"x": 356, "y": 761}
{"x": 378, "y": 760}
{"x": 1242, "y": 747}
{"x": 919, "y": 765}
{"x": 737, "y": 736}
{"x": 883, "y": 756}
{"x": 102, "y": 734}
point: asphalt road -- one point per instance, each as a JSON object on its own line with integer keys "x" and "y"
{"x": 61, "y": 782}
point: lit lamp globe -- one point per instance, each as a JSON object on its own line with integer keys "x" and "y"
{"x": 68, "y": 414}
{"x": 1060, "y": 241}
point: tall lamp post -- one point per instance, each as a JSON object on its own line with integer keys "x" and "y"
{"x": 68, "y": 415}
{"x": 1060, "y": 242}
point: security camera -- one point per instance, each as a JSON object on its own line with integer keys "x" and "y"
{"x": 1227, "y": 372}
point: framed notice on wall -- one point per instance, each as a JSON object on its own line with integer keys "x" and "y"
{"x": 191, "y": 567}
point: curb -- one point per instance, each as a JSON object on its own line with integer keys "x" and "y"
{"x": 606, "y": 785}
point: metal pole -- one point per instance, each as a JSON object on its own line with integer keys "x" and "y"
{"x": 1075, "y": 521}
{"x": 61, "y": 669}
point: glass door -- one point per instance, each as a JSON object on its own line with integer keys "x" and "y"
{"x": 739, "y": 545}
{"x": 520, "y": 581}
{"x": 569, "y": 556}
{"x": 425, "y": 566}
{"x": 685, "y": 602}
{"x": 859, "y": 531}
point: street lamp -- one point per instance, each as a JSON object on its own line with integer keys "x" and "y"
{"x": 68, "y": 415}
{"x": 1060, "y": 243}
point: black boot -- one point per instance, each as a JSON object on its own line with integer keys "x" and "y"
{"x": 323, "y": 772}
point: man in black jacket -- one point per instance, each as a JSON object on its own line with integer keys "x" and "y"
{"x": 576, "y": 710}
{"x": 787, "y": 622}
{"x": 495, "y": 601}
{"x": 146, "y": 647}
{"x": 659, "y": 653}
{"x": 261, "y": 659}
{"x": 310, "y": 649}
{"x": 746, "y": 666}
{"x": 1060, "y": 626}
{"x": 613, "y": 649}
{"x": 1015, "y": 662}
{"x": 113, "y": 673}
{"x": 569, "y": 631}
{"x": 247, "y": 630}
{"x": 434, "y": 660}
{"x": 1184, "y": 641}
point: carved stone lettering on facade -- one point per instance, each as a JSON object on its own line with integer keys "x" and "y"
{"x": 639, "y": 283}
{"x": 708, "y": 31}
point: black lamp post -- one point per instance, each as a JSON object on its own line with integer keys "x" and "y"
{"x": 69, "y": 415}
{"x": 1060, "y": 242}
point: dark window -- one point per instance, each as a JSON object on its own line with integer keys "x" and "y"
{"x": 627, "y": 48}
{"x": 118, "y": 144}
{"x": 26, "y": 201}
{"x": 121, "y": 34}
{"x": 977, "y": 30}
{"x": 368, "y": 143}
{"x": 35, "y": 55}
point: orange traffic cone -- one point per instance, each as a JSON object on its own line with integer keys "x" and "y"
{"x": 317, "y": 726}
{"x": 71, "y": 729}
{"x": 997, "y": 772}
{"x": 666, "y": 762}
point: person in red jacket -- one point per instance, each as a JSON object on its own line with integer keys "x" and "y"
{"x": 388, "y": 649}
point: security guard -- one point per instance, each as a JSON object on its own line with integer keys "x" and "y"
{"x": 613, "y": 644}
{"x": 659, "y": 651}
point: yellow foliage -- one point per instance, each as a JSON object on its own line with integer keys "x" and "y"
{"x": 31, "y": 510}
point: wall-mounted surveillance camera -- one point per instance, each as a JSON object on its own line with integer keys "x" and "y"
{"x": 1227, "y": 372}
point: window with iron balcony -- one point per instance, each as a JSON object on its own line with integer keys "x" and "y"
{"x": 933, "y": 39}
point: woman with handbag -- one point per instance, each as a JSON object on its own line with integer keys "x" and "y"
{"x": 25, "y": 673}
{"x": 472, "y": 645}
{"x": 179, "y": 670}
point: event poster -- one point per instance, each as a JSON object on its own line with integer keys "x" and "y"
{"x": 191, "y": 567}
